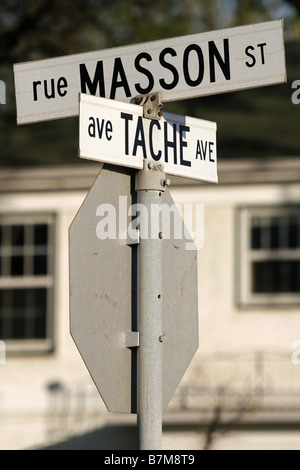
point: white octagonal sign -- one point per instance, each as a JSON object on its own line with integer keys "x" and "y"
{"x": 103, "y": 303}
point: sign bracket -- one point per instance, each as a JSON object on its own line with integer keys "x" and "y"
{"x": 151, "y": 178}
{"x": 152, "y": 105}
{"x": 133, "y": 238}
{"x": 132, "y": 339}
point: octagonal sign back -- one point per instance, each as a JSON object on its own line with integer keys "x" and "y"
{"x": 103, "y": 294}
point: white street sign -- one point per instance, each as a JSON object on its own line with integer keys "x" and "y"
{"x": 115, "y": 132}
{"x": 184, "y": 67}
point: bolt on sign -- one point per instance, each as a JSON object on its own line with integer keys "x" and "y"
{"x": 184, "y": 67}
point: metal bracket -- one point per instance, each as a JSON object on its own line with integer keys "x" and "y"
{"x": 133, "y": 240}
{"x": 132, "y": 339}
{"x": 152, "y": 105}
{"x": 152, "y": 178}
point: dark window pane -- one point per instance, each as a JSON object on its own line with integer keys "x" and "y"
{"x": 6, "y": 236}
{"x": 262, "y": 277}
{"x": 1, "y": 304}
{"x": 17, "y": 235}
{"x": 19, "y": 299}
{"x": 5, "y": 329}
{"x": 18, "y": 328}
{"x": 41, "y": 234}
{"x": 40, "y": 328}
{"x": 293, "y": 233}
{"x": 17, "y": 265}
{"x": 5, "y": 301}
{"x": 18, "y": 313}
{"x": 275, "y": 277}
{"x": 40, "y": 265}
{"x": 274, "y": 233}
{"x": 5, "y": 314}
{"x": 255, "y": 234}
{"x": 23, "y": 313}
{"x": 40, "y": 317}
{"x": 40, "y": 298}
{"x": 295, "y": 277}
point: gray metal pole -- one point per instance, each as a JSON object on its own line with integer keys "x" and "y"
{"x": 149, "y": 185}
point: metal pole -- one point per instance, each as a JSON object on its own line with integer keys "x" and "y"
{"x": 149, "y": 184}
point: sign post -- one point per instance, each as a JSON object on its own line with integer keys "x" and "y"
{"x": 150, "y": 314}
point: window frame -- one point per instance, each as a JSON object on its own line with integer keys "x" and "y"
{"x": 245, "y": 298}
{"x": 47, "y": 281}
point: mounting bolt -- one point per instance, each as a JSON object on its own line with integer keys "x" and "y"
{"x": 149, "y": 111}
{"x": 138, "y": 99}
{"x": 162, "y": 338}
{"x": 150, "y": 166}
{"x": 161, "y": 235}
{"x": 166, "y": 182}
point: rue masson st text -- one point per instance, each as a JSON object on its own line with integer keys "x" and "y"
{"x": 193, "y": 71}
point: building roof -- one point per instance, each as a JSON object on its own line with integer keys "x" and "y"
{"x": 81, "y": 177}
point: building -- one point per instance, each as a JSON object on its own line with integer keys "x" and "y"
{"x": 246, "y": 368}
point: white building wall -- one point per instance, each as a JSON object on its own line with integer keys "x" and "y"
{"x": 24, "y": 400}
{"x": 223, "y": 325}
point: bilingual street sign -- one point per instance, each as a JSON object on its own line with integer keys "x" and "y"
{"x": 184, "y": 67}
{"x": 115, "y": 132}
{"x": 103, "y": 299}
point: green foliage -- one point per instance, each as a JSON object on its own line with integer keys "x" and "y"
{"x": 251, "y": 123}
{"x": 35, "y": 29}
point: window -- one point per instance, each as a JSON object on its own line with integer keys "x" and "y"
{"x": 269, "y": 261}
{"x": 26, "y": 282}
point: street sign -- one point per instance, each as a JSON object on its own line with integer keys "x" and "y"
{"x": 103, "y": 298}
{"x": 184, "y": 67}
{"x": 116, "y": 287}
{"x": 115, "y": 132}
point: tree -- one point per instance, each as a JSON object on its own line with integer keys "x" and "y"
{"x": 46, "y": 28}
{"x": 38, "y": 29}
{"x": 295, "y": 2}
